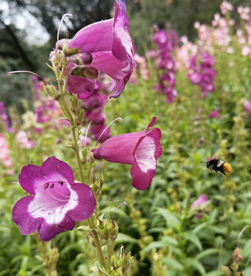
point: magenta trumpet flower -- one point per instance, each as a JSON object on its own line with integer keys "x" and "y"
{"x": 55, "y": 201}
{"x": 198, "y": 202}
{"x": 139, "y": 149}
{"x": 111, "y": 49}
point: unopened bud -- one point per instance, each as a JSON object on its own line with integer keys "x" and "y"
{"x": 67, "y": 51}
{"x": 80, "y": 118}
{"x": 82, "y": 59}
{"x": 51, "y": 91}
{"x": 84, "y": 72}
{"x": 237, "y": 257}
{"x": 226, "y": 270}
{"x": 74, "y": 102}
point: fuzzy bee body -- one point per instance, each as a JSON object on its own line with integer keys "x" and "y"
{"x": 219, "y": 166}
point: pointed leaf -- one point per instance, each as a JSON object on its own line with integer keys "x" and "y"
{"x": 190, "y": 236}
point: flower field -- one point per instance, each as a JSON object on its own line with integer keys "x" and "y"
{"x": 146, "y": 194}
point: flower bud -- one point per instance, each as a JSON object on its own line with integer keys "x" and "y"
{"x": 226, "y": 270}
{"x": 82, "y": 59}
{"x": 237, "y": 257}
{"x": 51, "y": 91}
{"x": 84, "y": 72}
{"x": 80, "y": 118}
{"x": 67, "y": 51}
{"x": 74, "y": 103}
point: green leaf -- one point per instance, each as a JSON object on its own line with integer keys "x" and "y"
{"x": 190, "y": 236}
{"x": 215, "y": 273}
{"x": 207, "y": 252}
{"x": 166, "y": 242}
{"x": 122, "y": 238}
{"x": 196, "y": 265}
{"x": 171, "y": 220}
{"x": 156, "y": 230}
{"x": 199, "y": 227}
{"x": 154, "y": 245}
{"x": 172, "y": 263}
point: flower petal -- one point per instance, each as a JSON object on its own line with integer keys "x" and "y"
{"x": 30, "y": 177}
{"x": 146, "y": 154}
{"x": 118, "y": 70}
{"x": 94, "y": 38}
{"x": 80, "y": 86}
{"x": 54, "y": 168}
{"x": 27, "y": 223}
{"x": 86, "y": 203}
{"x": 48, "y": 231}
{"x": 118, "y": 149}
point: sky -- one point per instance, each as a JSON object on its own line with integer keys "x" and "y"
{"x": 36, "y": 33}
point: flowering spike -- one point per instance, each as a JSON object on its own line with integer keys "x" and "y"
{"x": 242, "y": 231}
{"x": 116, "y": 210}
{"x": 107, "y": 127}
{"x": 24, "y": 71}
{"x": 61, "y": 22}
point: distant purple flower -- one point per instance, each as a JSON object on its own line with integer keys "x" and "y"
{"x": 202, "y": 74}
{"x": 166, "y": 43}
{"x": 55, "y": 201}
{"x": 139, "y": 149}
{"x": 195, "y": 78}
{"x": 247, "y": 106}
{"x": 109, "y": 44}
{"x": 214, "y": 114}
{"x": 200, "y": 201}
{"x": 4, "y": 117}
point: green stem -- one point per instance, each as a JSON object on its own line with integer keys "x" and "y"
{"x": 67, "y": 112}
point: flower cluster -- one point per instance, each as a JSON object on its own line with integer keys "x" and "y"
{"x": 226, "y": 7}
{"x": 4, "y": 121}
{"x": 105, "y": 46}
{"x": 244, "y": 13}
{"x": 4, "y": 153}
{"x": 202, "y": 74}
{"x": 166, "y": 43}
{"x": 23, "y": 141}
{"x": 184, "y": 53}
{"x": 244, "y": 34}
{"x": 94, "y": 112}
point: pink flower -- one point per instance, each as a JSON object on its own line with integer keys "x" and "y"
{"x": 139, "y": 149}
{"x": 214, "y": 114}
{"x": 23, "y": 140}
{"x": 245, "y": 51}
{"x": 109, "y": 44}
{"x": 247, "y": 106}
{"x": 198, "y": 202}
{"x": 55, "y": 201}
{"x": 4, "y": 153}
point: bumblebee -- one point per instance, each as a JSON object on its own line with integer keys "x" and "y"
{"x": 219, "y": 166}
